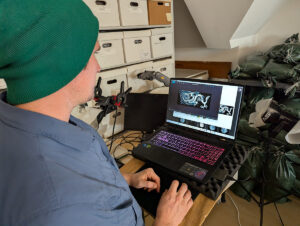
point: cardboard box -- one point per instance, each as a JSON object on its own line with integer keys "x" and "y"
{"x": 133, "y": 12}
{"x": 137, "y": 46}
{"x": 139, "y": 85}
{"x": 111, "y": 53}
{"x": 107, "y": 12}
{"x": 159, "y": 12}
{"x": 162, "y": 42}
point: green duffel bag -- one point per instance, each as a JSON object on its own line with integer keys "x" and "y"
{"x": 280, "y": 176}
{"x": 286, "y": 53}
{"x": 297, "y": 170}
{"x": 244, "y": 128}
{"x": 277, "y": 52}
{"x": 237, "y": 74}
{"x": 277, "y": 72}
{"x": 294, "y": 156}
{"x": 250, "y": 169}
{"x": 282, "y": 53}
{"x": 291, "y": 106}
{"x": 254, "y": 64}
{"x": 293, "y": 39}
{"x": 256, "y": 94}
{"x": 296, "y": 188}
{"x": 297, "y": 69}
{"x": 292, "y": 53}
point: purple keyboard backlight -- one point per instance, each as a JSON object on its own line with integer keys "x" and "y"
{"x": 203, "y": 152}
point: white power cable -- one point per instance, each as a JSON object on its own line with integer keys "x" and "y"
{"x": 237, "y": 209}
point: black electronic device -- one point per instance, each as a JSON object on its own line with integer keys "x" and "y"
{"x": 200, "y": 128}
{"x": 145, "y": 112}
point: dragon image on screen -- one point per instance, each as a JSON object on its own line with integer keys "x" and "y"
{"x": 226, "y": 110}
{"x": 194, "y": 99}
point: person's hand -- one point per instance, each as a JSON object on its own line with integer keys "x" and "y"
{"x": 173, "y": 205}
{"x": 146, "y": 179}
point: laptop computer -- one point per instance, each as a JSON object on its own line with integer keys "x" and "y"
{"x": 200, "y": 128}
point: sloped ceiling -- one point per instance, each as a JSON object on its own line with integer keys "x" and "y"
{"x": 225, "y": 24}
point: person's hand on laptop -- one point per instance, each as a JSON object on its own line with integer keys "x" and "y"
{"x": 173, "y": 205}
{"x": 146, "y": 179}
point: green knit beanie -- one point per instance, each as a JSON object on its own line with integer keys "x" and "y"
{"x": 43, "y": 45}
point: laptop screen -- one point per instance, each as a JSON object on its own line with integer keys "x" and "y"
{"x": 209, "y": 107}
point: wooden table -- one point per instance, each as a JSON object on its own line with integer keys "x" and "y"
{"x": 202, "y": 205}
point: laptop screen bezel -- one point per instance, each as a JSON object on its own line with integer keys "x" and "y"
{"x": 199, "y": 131}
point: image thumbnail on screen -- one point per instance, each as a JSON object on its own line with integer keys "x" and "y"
{"x": 194, "y": 99}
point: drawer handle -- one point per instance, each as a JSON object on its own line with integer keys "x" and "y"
{"x": 163, "y": 69}
{"x": 134, "y": 4}
{"x": 138, "y": 41}
{"x": 162, "y": 38}
{"x": 107, "y": 45}
{"x": 109, "y": 82}
{"x": 99, "y": 2}
{"x": 160, "y": 3}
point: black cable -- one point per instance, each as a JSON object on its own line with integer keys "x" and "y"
{"x": 125, "y": 141}
{"x": 113, "y": 132}
{"x": 278, "y": 214}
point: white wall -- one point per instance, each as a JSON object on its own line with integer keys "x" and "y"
{"x": 185, "y": 30}
{"x": 280, "y": 26}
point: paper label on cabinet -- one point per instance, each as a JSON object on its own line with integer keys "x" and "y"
{"x": 169, "y": 17}
{"x": 144, "y": 55}
{"x": 167, "y": 4}
{"x": 104, "y": 9}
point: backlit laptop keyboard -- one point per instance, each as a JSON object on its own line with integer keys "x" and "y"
{"x": 192, "y": 148}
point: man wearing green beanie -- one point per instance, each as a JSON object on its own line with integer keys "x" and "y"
{"x": 54, "y": 168}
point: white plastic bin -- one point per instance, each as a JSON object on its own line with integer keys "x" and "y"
{"x": 133, "y": 12}
{"x": 111, "y": 81}
{"x": 137, "y": 46}
{"x": 107, "y": 12}
{"x": 111, "y": 53}
{"x": 166, "y": 67}
{"x": 162, "y": 42}
{"x": 139, "y": 85}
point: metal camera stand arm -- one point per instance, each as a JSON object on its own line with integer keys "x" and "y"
{"x": 151, "y": 75}
{"x": 110, "y": 103}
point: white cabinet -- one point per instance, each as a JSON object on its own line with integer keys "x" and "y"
{"x": 111, "y": 49}
{"x": 107, "y": 12}
{"x": 133, "y": 12}
{"x": 139, "y": 85}
{"x": 166, "y": 67}
{"x": 162, "y": 42}
{"x": 128, "y": 42}
{"x": 137, "y": 46}
{"x": 111, "y": 81}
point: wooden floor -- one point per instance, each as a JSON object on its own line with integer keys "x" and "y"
{"x": 225, "y": 214}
